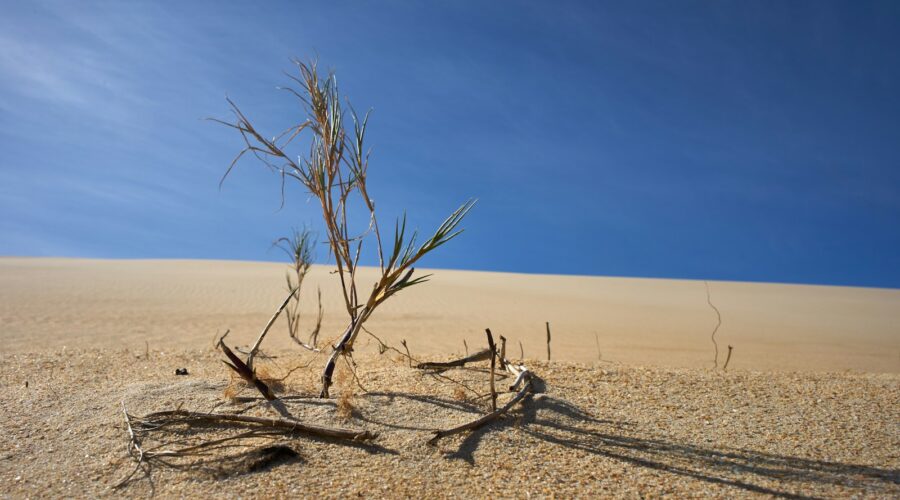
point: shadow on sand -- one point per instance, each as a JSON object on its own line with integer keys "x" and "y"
{"x": 561, "y": 423}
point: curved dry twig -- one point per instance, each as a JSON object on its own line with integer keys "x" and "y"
{"x": 718, "y": 324}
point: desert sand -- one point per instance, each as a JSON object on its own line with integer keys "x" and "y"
{"x": 629, "y": 406}
{"x": 54, "y": 303}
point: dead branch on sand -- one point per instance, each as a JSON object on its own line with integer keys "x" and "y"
{"x": 523, "y": 385}
{"x": 493, "y": 348}
{"x": 727, "y": 359}
{"x": 443, "y": 365}
{"x": 548, "y": 341}
{"x": 168, "y": 430}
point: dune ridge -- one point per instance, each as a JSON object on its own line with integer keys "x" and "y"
{"x": 48, "y": 303}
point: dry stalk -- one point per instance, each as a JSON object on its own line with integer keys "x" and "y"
{"x": 167, "y": 430}
{"x": 299, "y": 248}
{"x": 282, "y": 424}
{"x": 493, "y": 348}
{"x": 727, "y": 359}
{"x": 548, "y": 341}
{"x": 443, "y": 365}
{"x": 265, "y": 330}
{"x": 403, "y": 342}
{"x": 718, "y": 324}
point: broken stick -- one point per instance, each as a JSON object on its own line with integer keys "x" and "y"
{"x": 548, "y": 341}
{"x": 493, "y": 349}
{"x": 437, "y": 365}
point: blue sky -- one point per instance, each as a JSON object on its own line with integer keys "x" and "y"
{"x": 751, "y": 141}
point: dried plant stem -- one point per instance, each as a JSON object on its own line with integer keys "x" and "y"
{"x": 265, "y": 330}
{"x": 352, "y": 366}
{"x": 408, "y": 357}
{"x": 292, "y": 426}
{"x": 548, "y": 341}
{"x": 443, "y": 365}
{"x": 493, "y": 348}
{"x": 172, "y": 421}
{"x": 727, "y": 358}
{"x": 134, "y": 449}
{"x": 718, "y": 324}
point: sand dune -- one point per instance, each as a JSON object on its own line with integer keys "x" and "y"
{"x": 74, "y": 332}
{"x": 182, "y": 304}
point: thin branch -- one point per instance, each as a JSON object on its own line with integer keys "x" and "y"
{"x": 265, "y": 330}
{"x": 293, "y": 426}
{"x": 443, "y": 365}
{"x": 718, "y": 324}
{"x": 548, "y": 341}
{"x": 493, "y": 348}
{"x": 403, "y": 342}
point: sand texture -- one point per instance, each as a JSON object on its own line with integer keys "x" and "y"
{"x": 809, "y": 407}
{"x": 51, "y": 303}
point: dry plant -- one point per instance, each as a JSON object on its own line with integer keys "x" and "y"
{"x": 299, "y": 248}
{"x": 162, "y": 438}
{"x": 334, "y": 171}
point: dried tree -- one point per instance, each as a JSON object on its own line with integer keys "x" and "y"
{"x": 334, "y": 170}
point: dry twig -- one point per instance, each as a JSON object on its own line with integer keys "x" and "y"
{"x": 718, "y": 324}
{"x": 523, "y": 384}
{"x": 443, "y": 365}
{"x": 493, "y": 348}
{"x": 160, "y": 425}
{"x": 548, "y": 341}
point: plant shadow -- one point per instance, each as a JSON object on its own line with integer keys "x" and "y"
{"x": 561, "y": 423}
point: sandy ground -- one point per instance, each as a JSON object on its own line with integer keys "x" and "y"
{"x": 609, "y": 432}
{"x": 810, "y": 405}
{"x": 51, "y": 303}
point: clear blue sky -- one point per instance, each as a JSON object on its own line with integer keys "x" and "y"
{"x": 712, "y": 140}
